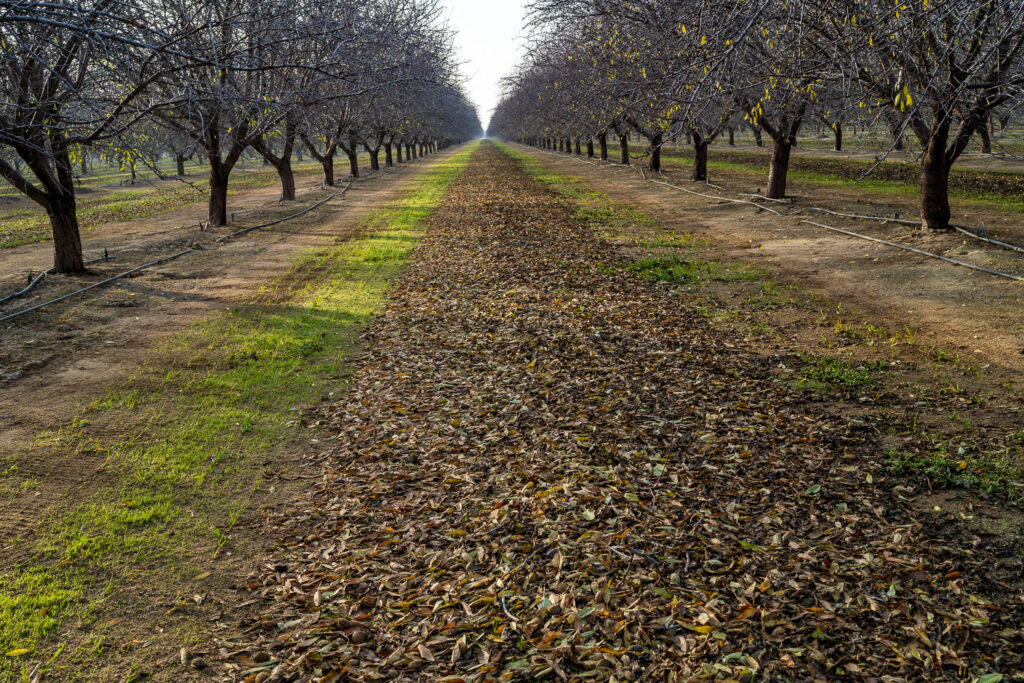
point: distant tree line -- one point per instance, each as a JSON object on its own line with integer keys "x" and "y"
{"x": 940, "y": 71}
{"x": 218, "y": 78}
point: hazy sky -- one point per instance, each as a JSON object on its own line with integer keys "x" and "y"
{"x": 488, "y": 39}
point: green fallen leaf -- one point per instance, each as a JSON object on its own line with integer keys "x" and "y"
{"x": 812, "y": 489}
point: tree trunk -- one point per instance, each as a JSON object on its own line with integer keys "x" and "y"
{"x": 602, "y": 141}
{"x": 624, "y": 150}
{"x": 67, "y": 242}
{"x": 700, "y": 158}
{"x": 590, "y": 148}
{"x": 85, "y": 165}
{"x": 398, "y": 152}
{"x": 179, "y": 160}
{"x": 579, "y": 151}
{"x": 935, "y": 212}
{"x": 353, "y": 158}
{"x": 655, "y": 164}
{"x": 375, "y": 159}
{"x": 758, "y": 140}
{"x": 837, "y": 128}
{"x": 408, "y": 151}
{"x": 388, "y": 160}
{"x": 732, "y": 137}
{"x": 218, "y": 213}
{"x": 328, "y": 165}
{"x": 778, "y": 170}
{"x": 287, "y": 176}
{"x": 985, "y": 138}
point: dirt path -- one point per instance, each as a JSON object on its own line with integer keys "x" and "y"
{"x": 549, "y": 468}
{"x": 56, "y": 360}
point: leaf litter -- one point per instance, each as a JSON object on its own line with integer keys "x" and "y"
{"x": 546, "y": 470}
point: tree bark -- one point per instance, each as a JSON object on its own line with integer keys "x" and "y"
{"x": 375, "y": 159}
{"x": 837, "y": 128}
{"x": 353, "y": 156}
{"x": 67, "y": 242}
{"x": 579, "y": 151}
{"x": 388, "y": 160}
{"x": 935, "y": 211}
{"x": 328, "y": 165}
{"x": 179, "y": 160}
{"x": 732, "y": 137}
{"x": 398, "y": 152}
{"x": 985, "y": 138}
{"x": 624, "y": 150}
{"x": 700, "y": 158}
{"x": 655, "y": 164}
{"x": 758, "y": 140}
{"x": 218, "y": 210}
{"x": 778, "y": 170}
{"x": 602, "y": 141}
{"x": 590, "y": 148}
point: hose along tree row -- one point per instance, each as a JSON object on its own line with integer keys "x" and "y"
{"x": 216, "y": 78}
{"x": 665, "y": 70}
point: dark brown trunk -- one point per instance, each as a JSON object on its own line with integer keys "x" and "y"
{"x": 375, "y": 159}
{"x": 579, "y": 151}
{"x": 779, "y": 169}
{"x": 353, "y": 158}
{"x": 179, "y": 160}
{"x": 935, "y": 212}
{"x": 700, "y": 158}
{"x": 85, "y": 165}
{"x": 398, "y": 152}
{"x": 67, "y": 242}
{"x": 837, "y": 128}
{"x": 732, "y": 137}
{"x": 985, "y": 138}
{"x": 218, "y": 211}
{"x": 602, "y": 141}
{"x": 656, "y": 153}
{"x": 758, "y": 140}
{"x": 624, "y": 150}
{"x": 590, "y": 149}
{"x": 328, "y": 165}
{"x": 287, "y": 176}
{"x": 388, "y": 160}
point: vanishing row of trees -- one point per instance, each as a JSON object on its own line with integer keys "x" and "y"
{"x": 668, "y": 69}
{"x": 218, "y": 78}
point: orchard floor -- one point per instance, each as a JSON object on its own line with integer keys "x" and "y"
{"x": 58, "y": 364}
{"x": 553, "y": 461}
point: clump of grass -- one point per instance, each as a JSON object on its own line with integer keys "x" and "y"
{"x": 996, "y": 474}
{"x": 677, "y": 270}
{"x": 829, "y": 372}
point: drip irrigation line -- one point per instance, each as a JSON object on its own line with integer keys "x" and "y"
{"x": 243, "y": 231}
{"x": 720, "y": 199}
{"x": 904, "y": 221}
{"x": 39, "y": 278}
{"x": 917, "y": 251}
{"x": 94, "y": 285}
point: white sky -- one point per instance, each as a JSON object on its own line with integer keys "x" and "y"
{"x": 488, "y": 39}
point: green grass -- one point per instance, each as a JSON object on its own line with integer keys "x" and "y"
{"x": 947, "y": 465}
{"x": 829, "y": 372}
{"x": 678, "y": 270}
{"x": 183, "y": 442}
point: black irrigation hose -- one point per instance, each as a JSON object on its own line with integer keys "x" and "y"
{"x": 94, "y": 285}
{"x": 39, "y": 278}
{"x": 917, "y": 251}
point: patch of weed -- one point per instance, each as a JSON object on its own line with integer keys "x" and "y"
{"x": 677, "y": 270}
